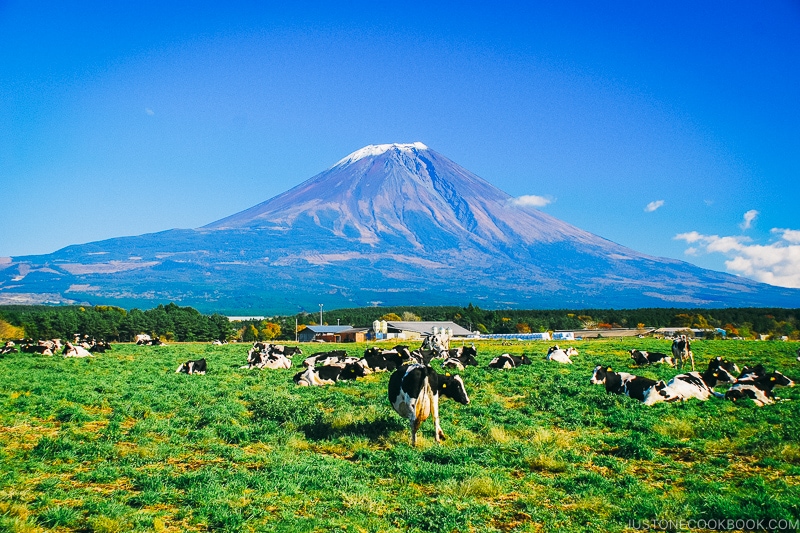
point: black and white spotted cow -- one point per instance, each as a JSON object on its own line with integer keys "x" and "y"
{"x": 758, "y": 389}
{"x": 751, "y": 373}
{"x": 99, "y": 347}
{"x": 331, "y": 358}
{"x": 641, "y": 358}
{"x": 328, "y": 375}
{"x": 506, "y": 361}
{"x": 693, "y": 384}
{"x": 438, "y": 343}
{"x": 636, "y": 387}
{"x": 554, "y": 353}
{"x": 192, "y": 367}
{"x": 381, "y": 361}
{"x": 414, "y": 393}
{"x": 75, "y": 351}
{"x": 458, "y": 358}
{"x": 681, "y": 351}
{"x": 8, "y": 348}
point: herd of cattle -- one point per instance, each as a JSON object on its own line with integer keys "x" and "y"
{"x": 81, "y": 346}
{"x": 415, "y": 385}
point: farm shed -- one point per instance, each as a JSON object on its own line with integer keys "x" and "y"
{"x": 416, "y": 330}
{"x": 354, "y": 335}
{"x": 322, "y": 333}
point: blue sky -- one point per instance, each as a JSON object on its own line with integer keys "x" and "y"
{"x": 672, "y": 128}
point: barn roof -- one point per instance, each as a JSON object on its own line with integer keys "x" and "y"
{"x": 328, "y": 329}
{"x": 427, "y": 327}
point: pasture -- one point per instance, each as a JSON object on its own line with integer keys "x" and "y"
{"x": 119, "y": 442}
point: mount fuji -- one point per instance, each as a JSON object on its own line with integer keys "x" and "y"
{"x": 390, "y": 224}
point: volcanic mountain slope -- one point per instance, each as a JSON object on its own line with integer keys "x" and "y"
{"x": 397, "y": 224}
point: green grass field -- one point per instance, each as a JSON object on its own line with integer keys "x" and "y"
{"x": 119, "y": 442}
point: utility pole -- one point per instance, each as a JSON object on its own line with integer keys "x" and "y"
{"x": 295, "y": 329}
{"x": 320, "y": 314}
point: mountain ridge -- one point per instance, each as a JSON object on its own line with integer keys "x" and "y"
{"x": 398, "y": 224}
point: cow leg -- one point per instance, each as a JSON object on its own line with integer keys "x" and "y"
{"x": 439, "y": 433}
{"x": 414, "y": 423}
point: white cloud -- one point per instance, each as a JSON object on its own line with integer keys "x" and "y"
{"x": 531, "y": 200}
{"x": 652, "y": 206}
{"x": 777, "y": 263}
{"x": 749, "y": 217}
{"x": 149, "y": 111}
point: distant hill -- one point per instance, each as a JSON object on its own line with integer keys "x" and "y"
{"x": 393, "y": 224}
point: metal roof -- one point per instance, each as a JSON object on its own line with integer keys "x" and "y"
{"x": 328, "y": 329}
{"x": 427, "y": 327}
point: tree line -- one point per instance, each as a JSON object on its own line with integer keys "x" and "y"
{"x": 174, "y": 323}
{"x": 169, "y": 322}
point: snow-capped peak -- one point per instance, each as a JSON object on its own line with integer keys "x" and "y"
{"x": 378, "y": 149}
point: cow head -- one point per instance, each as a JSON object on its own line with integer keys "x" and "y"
{"x": 729, "y": 367}
{"x": 468, "y": 359}
{"x": 599, "y": 374}
{"x": 352, "y": 371}
{"x": 718, "y": 368}
{"x": 777, "y": 379}
{"x": 453, "y": 387}
{"x": 552, "y": 349}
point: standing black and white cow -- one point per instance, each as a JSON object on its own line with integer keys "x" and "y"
{"x": 641, "y": 358}
{"x": 506, "y": 361}
{"x": 681, "y": 351}
{"x": 693, "y": 384}
{"x": 192, "y": 367}
{"x": 758, "y": 389}
{"x": 636, "y": 387}
{"x": 414, "y": 394}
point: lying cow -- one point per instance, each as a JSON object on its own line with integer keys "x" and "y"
{"x": 75, "y": 351}
{"x": 414, "y": 394}
{"x": 554, "y": 353}
{"x": 385, "y": 361}
{"x": 641, "y": 358}
{"x": 758, "y": 389}
{"x": 458, "y": 358}
{"x": 636, "y": 387}
{"x": 693, "y": 384}
{"x": 332, "y": 358}
{"x": 751, "y": 373}
{"x": 8, "y": 347}
{"x": 506, "y": 361}
{"x": 192, "y": 367}
{"x": 328, "y": 375}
